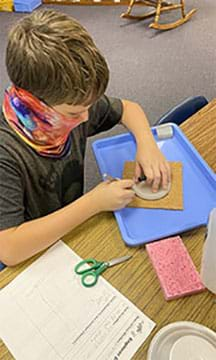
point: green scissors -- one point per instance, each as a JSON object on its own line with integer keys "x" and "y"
{"x": 90, "y": 274}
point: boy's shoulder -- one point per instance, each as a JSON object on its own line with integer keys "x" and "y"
{"x": 7, "y": 135}
{"x": 11, "y": 146}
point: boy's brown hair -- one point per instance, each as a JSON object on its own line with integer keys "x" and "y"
{"x": 53, "y": 57}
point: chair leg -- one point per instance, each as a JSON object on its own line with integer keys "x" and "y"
{"x": 131, "y": 4}
{"x": 148, "y": 3}
{"x": 169, "y": 26}
{"x": 158, "y": 11}
{"x": 183, "y": 8}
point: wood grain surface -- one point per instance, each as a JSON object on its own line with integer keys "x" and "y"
{"x": 99, "y": 237}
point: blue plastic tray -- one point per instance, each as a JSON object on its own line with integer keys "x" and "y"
{"x": 140, "y": 226}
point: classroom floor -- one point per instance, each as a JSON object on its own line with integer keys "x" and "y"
{"x": 156, "y": 69}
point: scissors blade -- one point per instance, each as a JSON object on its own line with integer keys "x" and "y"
{"x": 114, "y": 262}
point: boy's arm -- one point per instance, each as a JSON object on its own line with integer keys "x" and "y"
{"x": 149, "y": 158}
{"x": 103, "y": 115}
{"x": 21, "y": 242}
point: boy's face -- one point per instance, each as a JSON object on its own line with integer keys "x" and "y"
{"x": 78, "y": 112}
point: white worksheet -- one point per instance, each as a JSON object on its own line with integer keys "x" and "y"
{"x": 46, "y": 313}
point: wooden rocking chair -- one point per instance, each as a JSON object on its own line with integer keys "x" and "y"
{"x": 160, "y": 6}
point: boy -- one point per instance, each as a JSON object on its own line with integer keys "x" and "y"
{"x": 55, "y": 101}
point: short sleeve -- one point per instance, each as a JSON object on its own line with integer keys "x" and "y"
{"x": 104, "y": 114}
{"x": 11, "y": 193}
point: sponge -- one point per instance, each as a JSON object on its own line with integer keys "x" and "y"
{"x": 174, "y": 267}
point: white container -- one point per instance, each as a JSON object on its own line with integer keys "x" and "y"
{"x": 183, "y": 340}
{"x": 208, "y": 265}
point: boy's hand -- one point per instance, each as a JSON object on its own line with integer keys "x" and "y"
{"x": 152, "y": 162}
{"x": 113, "y": 195}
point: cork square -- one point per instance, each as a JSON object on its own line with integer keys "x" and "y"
{"x": 172, "y": 201}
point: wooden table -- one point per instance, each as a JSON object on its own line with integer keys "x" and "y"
{"x": 100, "y": 238}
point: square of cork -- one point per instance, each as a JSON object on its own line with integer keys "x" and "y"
{"x": 173, "y": 200}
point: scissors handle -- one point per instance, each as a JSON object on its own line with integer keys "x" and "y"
{"x": 90, "y": 277}
{"x": 81, "y": 267}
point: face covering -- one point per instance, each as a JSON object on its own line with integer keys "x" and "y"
{"x": 37, "y": 124}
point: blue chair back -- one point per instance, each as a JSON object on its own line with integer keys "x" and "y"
{"x": 184, "y": 110}
{"x": 2, "y": 266}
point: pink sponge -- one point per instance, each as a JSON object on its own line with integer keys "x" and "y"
{"x": 174, "y": 267}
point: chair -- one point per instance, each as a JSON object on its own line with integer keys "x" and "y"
{"x": 2, "y": 266}
{"x": 184, "y": 110}
{"x": 160, "y": 6}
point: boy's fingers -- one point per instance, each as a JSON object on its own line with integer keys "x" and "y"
{"x": 138, "y": 171}
{"x": 126, "y": 183}
{"x": 129, "y": 193}
{"x": 156, "y": 181}
{"x": 166, "y": 175}
{"x": 129, "y": 198}
{"x": 149, "y": 175}
{"x": 169, "y": 172}
{"x": 165, "y": 180}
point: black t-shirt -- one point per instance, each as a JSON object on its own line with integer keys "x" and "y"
{"x": 31, "y": 185}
